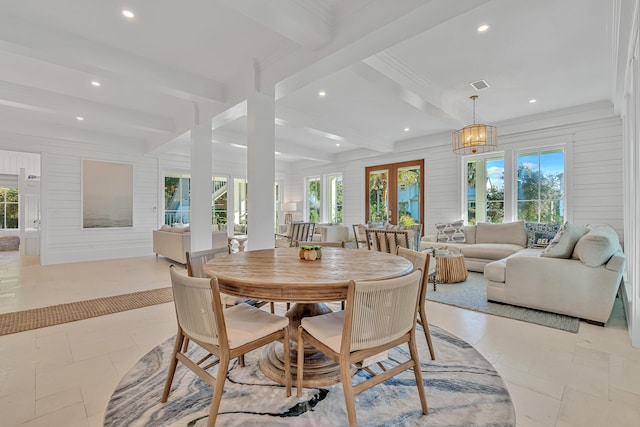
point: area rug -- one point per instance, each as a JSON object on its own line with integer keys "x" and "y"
{"x": 25, "y": 320}
{"x": 472, "y": 294}
{"x": 463, "y": 389}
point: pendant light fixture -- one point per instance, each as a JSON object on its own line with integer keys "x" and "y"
{"x": 475, "y": 138}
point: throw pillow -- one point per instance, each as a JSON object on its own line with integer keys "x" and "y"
{"x": 452, "y": 232}
{"x": 540, "y": 234}
{"x": 597, "y": 246}
{"x": 414, "y": 233}
{"x": 165, "y": 227}
{"x": 564, "y": 241}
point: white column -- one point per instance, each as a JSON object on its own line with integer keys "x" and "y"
{"x": 201, "y": 168}
{"x": 260, "y": 170}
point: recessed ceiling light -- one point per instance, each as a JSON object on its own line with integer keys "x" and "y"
{"x": 532, "y": 101}
{"x": 322, "y": 93}
{"x": 338, "y": 144}
{"x": 95, "y": 83}
{"x": 483, "y": 28}
{"x": 128, "y": 14}
{"x": 79, "y": 118}
{"x": 407, "y": 129}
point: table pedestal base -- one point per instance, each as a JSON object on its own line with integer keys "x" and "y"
{"x": 319, "y": 370}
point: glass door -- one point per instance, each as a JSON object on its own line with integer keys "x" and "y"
{"x": 394, "y": 193}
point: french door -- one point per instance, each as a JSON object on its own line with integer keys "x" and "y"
{"x": 394, "y": 193}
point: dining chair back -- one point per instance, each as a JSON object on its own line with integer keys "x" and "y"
{"x": 421, "y": 261}
{"x": 387, "y": 240}
{"x": 375, "y": 320}
{"x": 224, "y": 334}
{"x": 197, "y": 259}
{"x": 302, "y": 232}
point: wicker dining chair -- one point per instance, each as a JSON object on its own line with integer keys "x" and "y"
{"x": 299, "y": 231}
{"x": 420, "y": 261}
{"x": 387, "y": 240}
{"x": 339, "y": 244}
{"x": 225, "y": 334}
{"x": 376, "y": 319}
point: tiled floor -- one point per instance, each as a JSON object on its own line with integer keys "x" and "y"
{"x": 65, "y": 374}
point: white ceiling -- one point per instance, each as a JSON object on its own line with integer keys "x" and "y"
{"x": 385, "y": 66}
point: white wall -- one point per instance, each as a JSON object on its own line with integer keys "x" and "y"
{"x": 591, "y": 135}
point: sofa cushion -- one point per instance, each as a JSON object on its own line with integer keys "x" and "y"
{"x": 451, "y": 232}
{"x": 414, "y": 234}
{"x": 490, "y": 250}
{"x": 540, "y": 234}
{"x": 496, "y": 271}
{"x": 565, "y": 240}
{"x": 597, "y": 246}
{"x": 470, "y": 234}
{"x": 165, "y": 227}
{"x": 509, "y": 232}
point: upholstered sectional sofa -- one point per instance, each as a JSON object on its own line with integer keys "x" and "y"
{"x": 577, "y": 274}
{"x": 174, "y": 242}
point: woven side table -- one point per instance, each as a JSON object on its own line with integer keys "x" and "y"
{"x": 450, "y": 268}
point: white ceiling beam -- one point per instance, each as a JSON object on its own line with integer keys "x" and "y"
{"x": 102, "y": 61}
{"x": 397, "y": 79}
{"x": 69, "y": 107}
{"x": 379, "y": 26}
{"x": 305, "y": 22}
{"x": 316, "y": 126}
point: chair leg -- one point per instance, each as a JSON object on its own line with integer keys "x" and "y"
{"x": 272, "y": 306}
{"x": 172, "y": 366}
{"x": 417, "y": 371}
{"x": 241, "y": 360}
{"x": 221, "y": 376}
{"x": 427, "y": 334}
{"x": 288, "y": 306}
{"x": 349, "y": 397}
{"x": 185, "y": 345}
{"x": 287, "y": 361}
{"x": 300, "y": 362}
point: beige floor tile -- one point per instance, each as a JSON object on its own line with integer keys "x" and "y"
{"x": 58, "y": 401}
{"x": 71, "y": 416}
{"x": 17, "y": 407}
{"x": 96, "y": 420}
{"x": 89, "y": 371}
{"x": 549, "y": 387}
{"x": 533, "y": 408}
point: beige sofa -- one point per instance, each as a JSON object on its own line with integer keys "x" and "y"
{"x": 583, "y": 285}
{"x": 174, "y": 242}
{"x": 484, "y": 243}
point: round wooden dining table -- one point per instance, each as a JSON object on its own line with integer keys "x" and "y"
{"x": 280, "y": 275}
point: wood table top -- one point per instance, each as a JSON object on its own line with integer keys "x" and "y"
{"x": 280, "y": 275}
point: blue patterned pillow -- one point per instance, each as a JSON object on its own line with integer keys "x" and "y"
{"x": 452, "y": 232}
{"x": 540, "y": 234}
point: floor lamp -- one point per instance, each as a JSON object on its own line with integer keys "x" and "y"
{"x": 289, "y": 207}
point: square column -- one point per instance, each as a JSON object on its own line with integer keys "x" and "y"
{"x": 201, "y": 186}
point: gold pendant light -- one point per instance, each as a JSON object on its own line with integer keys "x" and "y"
{"x": 475, "y": 138}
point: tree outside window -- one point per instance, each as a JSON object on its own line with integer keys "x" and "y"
{"x": 485, "y": 190}
{"x": 9, "y": 207}
{"x": 334, "y": 184}
{"x": 541, "y": 186}
{"x": 313, "y": 199}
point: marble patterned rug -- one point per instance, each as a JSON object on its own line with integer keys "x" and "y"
{"x": 463, "y": 389}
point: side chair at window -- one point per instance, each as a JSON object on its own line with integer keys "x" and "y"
{"x": 376, "y": 319}
{"x": 420, "y": 261}
{"x": 387, "y": 240}
{"x": 225, "y": 334}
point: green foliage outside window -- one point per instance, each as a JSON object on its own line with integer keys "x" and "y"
{"x": 9, "y": 207}
{"x": 313, "y": 195}
{"x": 378, "y": 205}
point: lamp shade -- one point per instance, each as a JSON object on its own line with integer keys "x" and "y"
{"x": 289, "y": 206}
{"x": 474, "y": 139}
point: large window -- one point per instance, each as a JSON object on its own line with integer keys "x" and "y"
{"x": 541, "y": 186}
{"x": 334, "y": 193}
{"x": 9, "y": 207}
{"x": 485, "y": 190}
{"x": 313, "y": 199}
{"x": 176, "y": 199}
{"x": 219, "y": 199}
{"x": 395, "y": 193}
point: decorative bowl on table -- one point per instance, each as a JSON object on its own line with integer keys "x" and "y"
{"x": 310, "y": 252}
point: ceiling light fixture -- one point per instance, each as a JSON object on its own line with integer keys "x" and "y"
{"x": 79, "y": 118}
{"x": 338, "y": 145}
{"x": 483, "y": 28}
{"x": 128, "y": 14}
{"x": 407, "y": 129}
{"x": 95, "y": 83}
{"x": 475, "y": 138}
{"x": 533, "y": 101}
{"x": 322, "y": 93}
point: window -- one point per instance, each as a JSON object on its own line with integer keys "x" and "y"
{"x": 485, "y": 190}
{"x": 9, "y": 207}
{"x": 219, "y": 201}
{"x": 176, "y": 199}
{"x": 240, "y": 206}
{"x": 541, "y": 186}
{"x": 395, "y": 193}
{"x": 334, "y": 193}
{"x": 313, "y": 199}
